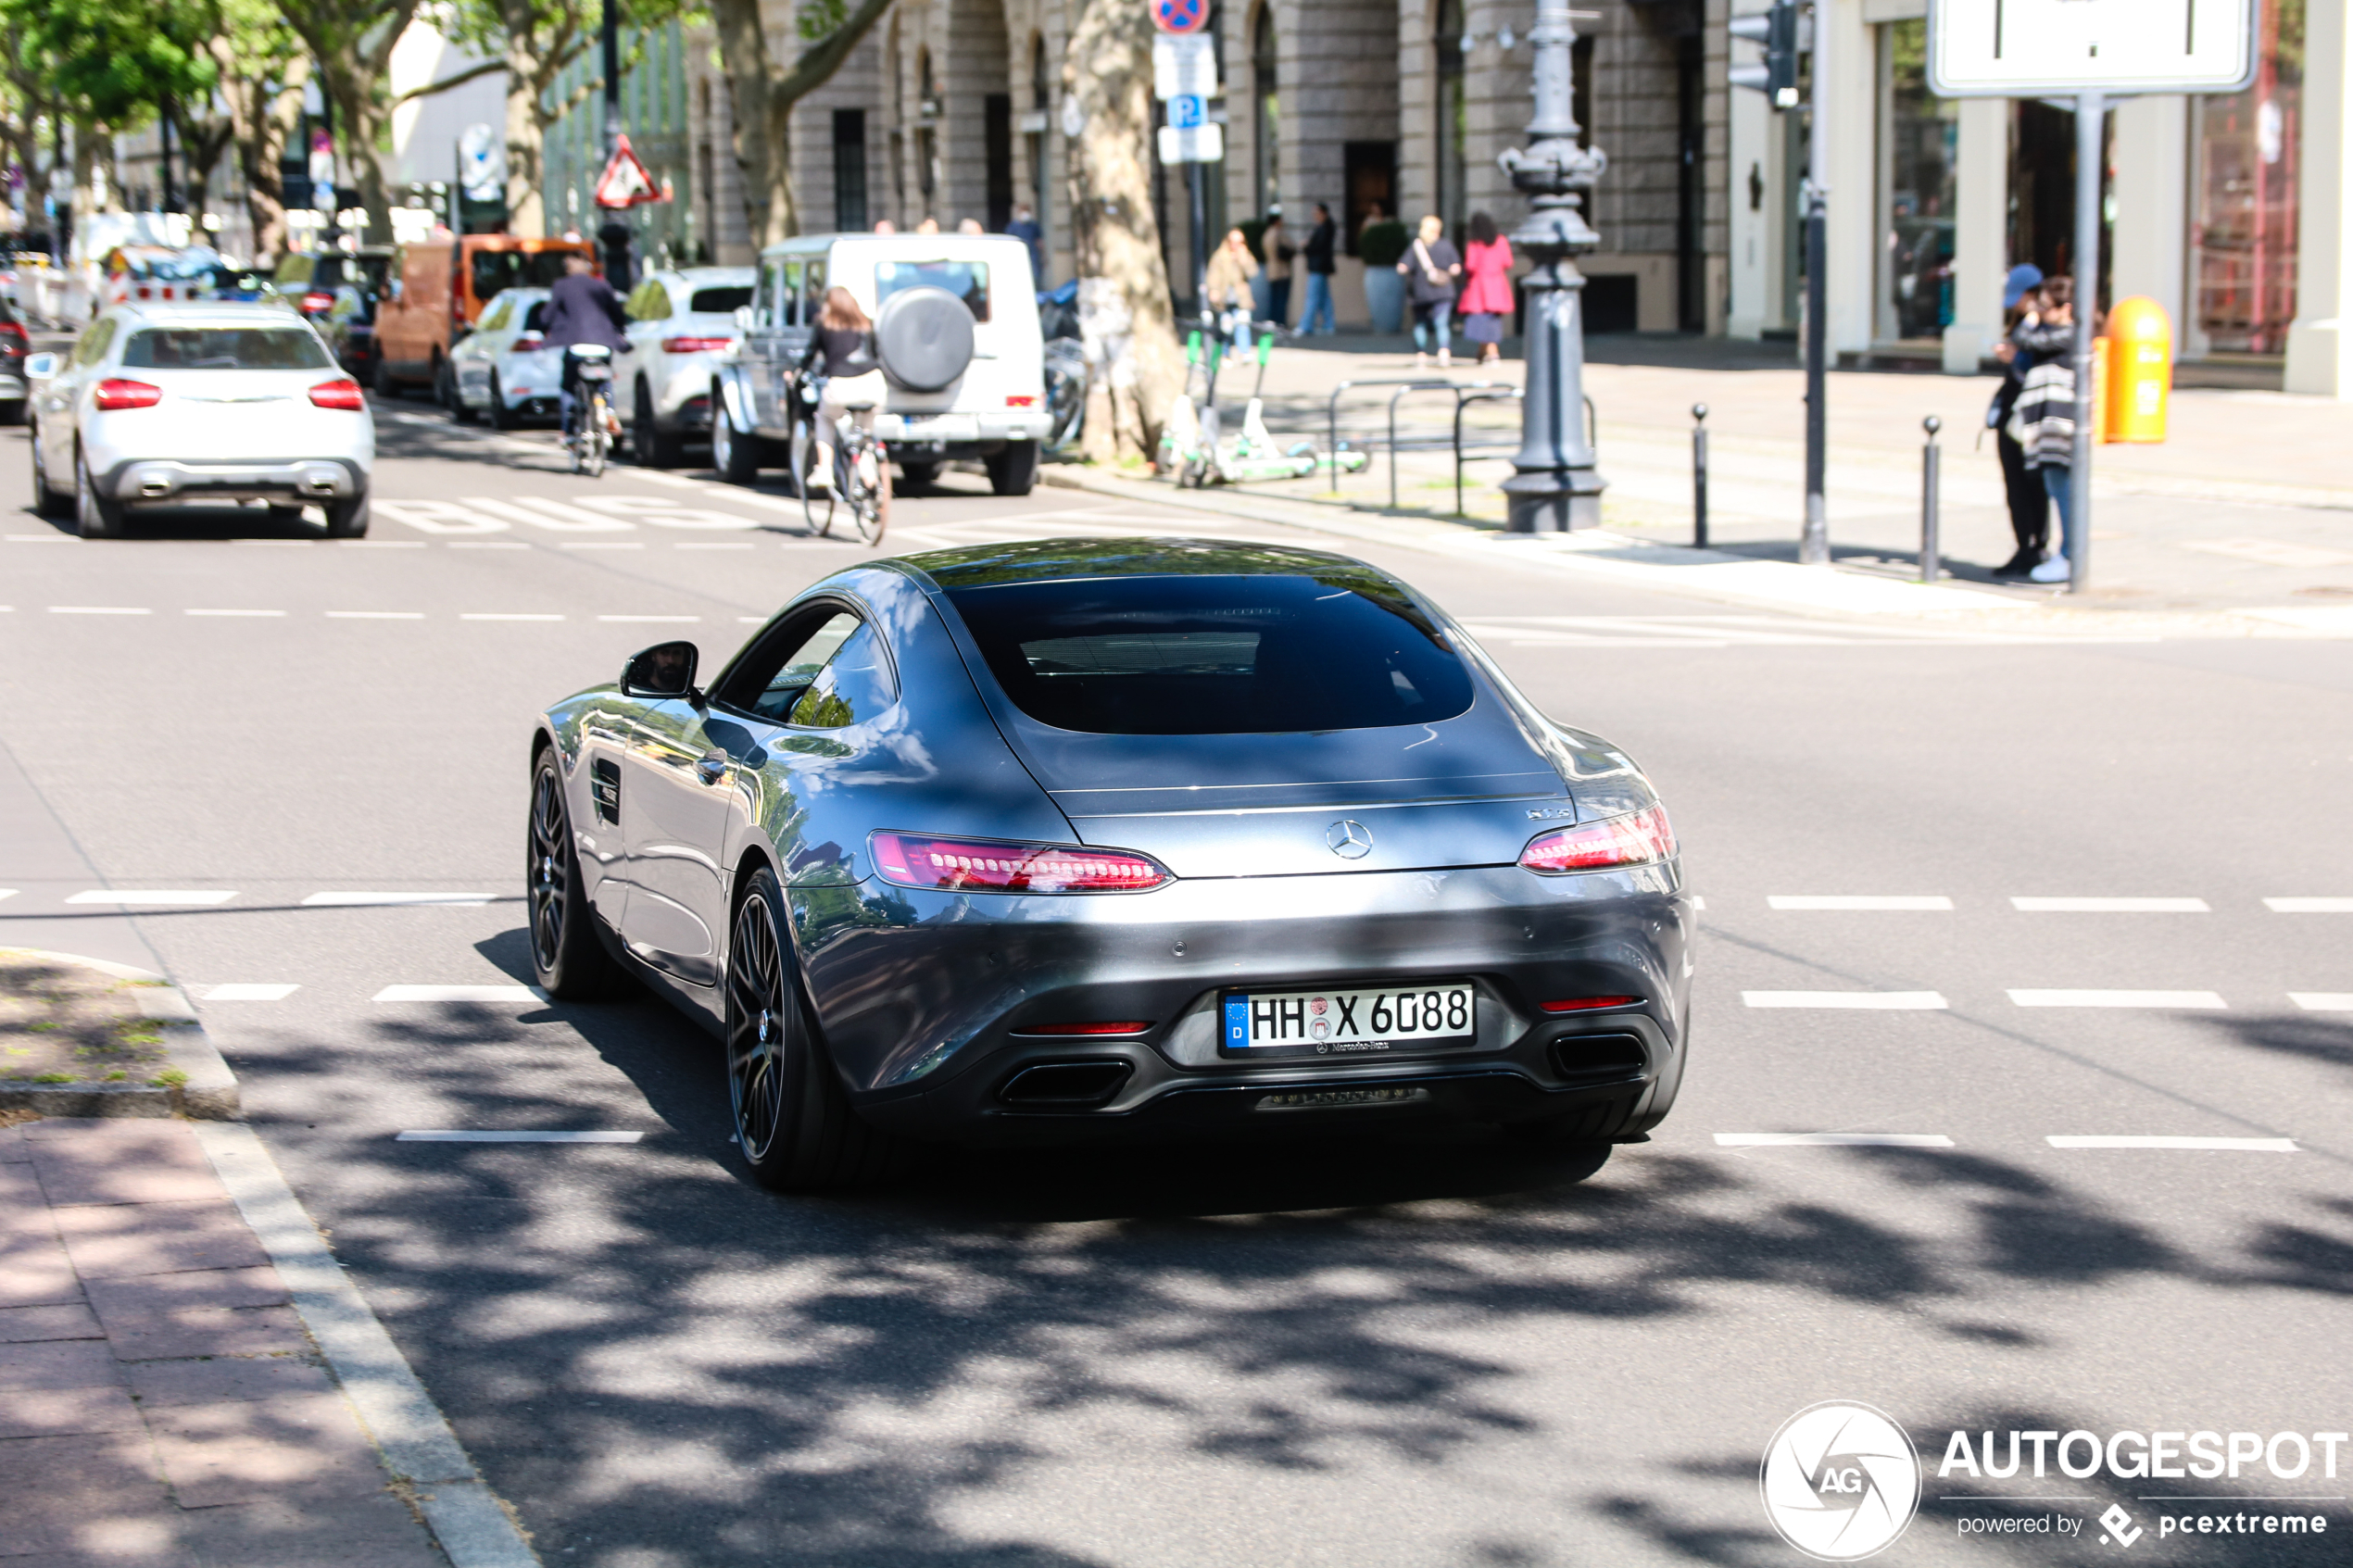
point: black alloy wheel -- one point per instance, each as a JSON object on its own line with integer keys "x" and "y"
{"x": 793, "y": 1122}
{"x": 567, "y": 961}
{"x": 734, "y": 454}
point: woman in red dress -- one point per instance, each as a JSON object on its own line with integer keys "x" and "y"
{"x": 1487, "y": 287}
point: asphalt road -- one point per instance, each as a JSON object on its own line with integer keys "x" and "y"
{"x": 1436, "y": 1350}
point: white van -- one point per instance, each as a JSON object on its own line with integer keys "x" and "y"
{"x": 948, "y": 400}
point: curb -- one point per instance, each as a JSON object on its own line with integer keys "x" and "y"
{"x": 412, "y": 1437}
{"x": 208, "y": 1089}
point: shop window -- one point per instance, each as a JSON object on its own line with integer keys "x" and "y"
{"x": 1918, "y": 137}
{"x": 1453, "y": 122}
{"x": 2243, "y": 239}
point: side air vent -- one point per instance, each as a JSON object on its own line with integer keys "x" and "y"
{"x": 1599, "y": 1059}
{"x": 1065, "y": 1084}
{"x": 604, "y": 779}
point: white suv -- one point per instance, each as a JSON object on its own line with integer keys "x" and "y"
{"x": 680, "y": 325}
{"x": 954, "y": 393}
{"x": 161, "y": 404}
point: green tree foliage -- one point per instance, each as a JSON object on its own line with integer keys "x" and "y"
{"x": 350, "y": 44}
{"x": 765, "y": 92}
{"x": 116, "y": 61}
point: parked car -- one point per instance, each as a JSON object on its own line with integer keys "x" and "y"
{"x": 439, "y": 290}
{"x": 501, "y": 369}
{"x": 955, "y": 328}
{"x": 680, "y": 325}
{"x": 15, "y": 346}
{"x": 1113, "y": 838}
{"x": 162, "y": 404}
{"x": 339, "y": 293}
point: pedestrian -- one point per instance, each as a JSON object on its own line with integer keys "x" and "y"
{"x": 2030, "y": 504}
{"x": 1430, "y": 267}
{"x": 969, "y": 226}
{"x": 1275, "y": 247}
{"x": 1318, "y": 253}
{"x": 928, "y": 226}
{"x": 1025, "y": 228}
{"x": 1226, "y": 291}
{"x": 2043, "y": 422}
{"x": 884, "y": 226}
{"x": 1487, "y": 287}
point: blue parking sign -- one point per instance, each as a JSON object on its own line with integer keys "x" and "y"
{"x": 1188, "y": 111}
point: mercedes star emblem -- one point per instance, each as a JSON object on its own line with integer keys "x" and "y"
{"x": 1350, "y": 840}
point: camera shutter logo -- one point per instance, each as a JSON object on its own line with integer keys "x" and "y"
{"x": 1841, "y": 1481}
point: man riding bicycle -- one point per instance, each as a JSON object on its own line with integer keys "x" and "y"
{"x": 582, "y": 309}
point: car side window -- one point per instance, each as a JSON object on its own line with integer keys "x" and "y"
{"x": 789, "y": 297}
{"x": 777, "y": 676}
{"x": 93, "y": 342}
{"x": 771, "y": 286}
{"x": 812, "y": 292}
{"x": 854, "y": 686}
{"x": 496, "y": 319}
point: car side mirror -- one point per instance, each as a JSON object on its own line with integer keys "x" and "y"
{"x": 665, "y": 669}
{"x": 41, "y": 367}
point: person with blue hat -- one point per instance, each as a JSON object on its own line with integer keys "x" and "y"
{"x": 2030, "y": 503}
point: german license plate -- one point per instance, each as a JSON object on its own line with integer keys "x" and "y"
{"x": 1347, "y": 1022}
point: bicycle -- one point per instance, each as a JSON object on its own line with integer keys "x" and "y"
{"x": 861, "y": 469}
{"x": 588, "y": 429}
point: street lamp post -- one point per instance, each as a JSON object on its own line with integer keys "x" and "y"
{"x": 615, "y": 233}
{"x": 1556, "y": 487}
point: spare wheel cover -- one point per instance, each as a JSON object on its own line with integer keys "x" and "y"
{"x": 923, "y": 339}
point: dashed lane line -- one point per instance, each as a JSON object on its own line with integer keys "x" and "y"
{"x": 2248, "y": 1145}
{"x": 97, "y": 610}
{"x": 1832, "y": 1140}
{"x": 2309, "y": 905}
{"x": 2322, "y": 1001}
{"x": 129, "y": 896}
{"x": 375, "y": 615}
{"x": 2079, "y": 998}
{"x": 2111, "y": 906}
{"x": 1890, "y": 1001}
{"x": 226, "y": 614}
{"x": 503, "y": 616}
{"x": 652, "y": 620}
{"x": 7, "y": 892}
{"x": 455, "y": 1135}
{"x": 1875, "y": 901}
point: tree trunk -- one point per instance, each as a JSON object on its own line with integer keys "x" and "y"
{"x": 762, "y": 130}
{"x": 527, "y": 142}
{"x": 1109, "y": 69}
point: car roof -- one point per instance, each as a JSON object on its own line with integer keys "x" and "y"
{"x": 211, "y": 313}
{"x": 701, "y": 275}
{"x": 919, "y": 247}
{"x": 1057, "y": 561}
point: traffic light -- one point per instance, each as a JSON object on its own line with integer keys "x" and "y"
{"x": 1776, "y": 31}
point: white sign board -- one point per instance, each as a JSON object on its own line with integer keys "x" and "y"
{"x": 2060, "y": 48}
{"x": 1199, "y": 144}
{"x": 1184, "y": 66}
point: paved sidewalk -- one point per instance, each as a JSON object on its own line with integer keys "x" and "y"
{"x": 161, "y": 1405}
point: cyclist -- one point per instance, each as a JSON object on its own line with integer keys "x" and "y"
{"x": 839, "y": 362}
{"x": 582, "y": 309}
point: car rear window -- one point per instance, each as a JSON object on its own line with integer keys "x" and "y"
{"x": 968, "y": 281}
{"x": 720, "y": 302}
{"x": 1215, "y": 655}
{"x": 223, "y": 348}
{"x": 496, "y": 269}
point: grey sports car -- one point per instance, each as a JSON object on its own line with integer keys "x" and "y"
{"x": 1044, "y": 840}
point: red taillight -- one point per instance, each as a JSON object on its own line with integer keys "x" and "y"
{"x": 314, "y": 303}
{"x": 1107, "y": 1028}
{"x": 987, "y": 866}
{"x": 693, "y": 345}
{"x": 344, "y": 393}
{"x": 1635, "y": 839}
{"x": 11, "y": 330}
{"x": 1587, "y": 1004}
{"x": 1021, "y": 400}
{"x": 528, "y": 342}
{"x": 127, "y": 394}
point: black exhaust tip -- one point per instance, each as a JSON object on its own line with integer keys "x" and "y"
{"x": 1065, "y": 1085}
{"x": 1599, "y": 1059}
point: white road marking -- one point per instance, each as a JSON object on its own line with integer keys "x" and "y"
{"x": 602, "y": 544}
{"x": 96, "y": 609}
{"x": 652, "y": 620}
{"x": 1896, "y": 1001}
{"x": 7, "y": 892}
{"x": 711, "y": 544}
{"x": 488, "y": 545}
{"x": 2118, "y": 999}
{"x": 2111, "y": 906}
{"x": 541, "y": 513}
{"x": 752, "y": 620}
{"x": 1832, "y": 1140}
{"x": 1857, "y": 901}
{"x": 120, "y": 895}
{"x": 441, "y": 517}
{"x": 2322, "y": 1001}
{"x": 505, "y": 617}
{"x": 248, "y": 992}
{"x": 359, "y": 900}
{"x": 676, "y": 480}
{"x": 1698, "y": 902}
{"x": 461, "y": 994}
{"x": 234, "y": 612}
{"x": 450, "y": 1137}
{"x": 375, "y": 615}
{"x": 2252, "y": 1146}
{"x": 2309, "y": 905}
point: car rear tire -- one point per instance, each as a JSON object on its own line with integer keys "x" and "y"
{"x": 97, "y": 517}
{"x": 12, "y": 412}
{"x": 921, "y": 476}
{"x": 501, "y": 417}
{"x": 285, "y": 517}
{"x": 654, "y": 447}
{"x": 567, "y": 959}
{"x": 46, "y": 501}
{"x": 385, "y": 385}
{"x": 1013, "y": 471}
{"x": 734, "y": 453}
{"x": 796, "y": 1126}
{"x": 349, "y": 519}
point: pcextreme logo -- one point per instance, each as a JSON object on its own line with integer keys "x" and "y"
{"x": 1841, "y": 1481}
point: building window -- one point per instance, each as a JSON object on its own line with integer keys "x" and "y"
{"x": 1453, "y": 119}
{"x": 2248, "y": 149}
{"x": 926, "y": 137}
{"x": 1266, "y": 145}
{"x": 1041, "y": 99}
{"x": 1918, "y": 135}
{"x": 850, "y": 171}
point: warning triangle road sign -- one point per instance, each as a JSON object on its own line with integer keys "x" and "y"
{"x": 625, "y": 181}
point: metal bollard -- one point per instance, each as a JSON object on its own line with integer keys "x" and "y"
{"x": 1930, "y": 454}
{"x": 1699, "y": 476}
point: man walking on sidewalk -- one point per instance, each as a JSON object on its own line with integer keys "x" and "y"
{"x": 1318, "y": 253}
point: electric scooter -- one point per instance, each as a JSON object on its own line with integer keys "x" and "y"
{"x": 1192, "y": 445}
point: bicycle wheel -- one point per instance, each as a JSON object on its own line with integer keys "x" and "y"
{"x": 870, "y": 507}
{"x": 594, "y": 440}
{"x": 816, "y": 506}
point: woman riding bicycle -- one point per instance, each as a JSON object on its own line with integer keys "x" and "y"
{"x": 840, "y": 369}
{"x": 582, "y": 309}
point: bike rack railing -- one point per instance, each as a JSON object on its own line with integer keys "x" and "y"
{"x": 1500, "y": 394}
{"x": 1465, "y": 394}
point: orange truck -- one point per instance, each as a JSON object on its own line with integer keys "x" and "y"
{"x": 439, "y": 287}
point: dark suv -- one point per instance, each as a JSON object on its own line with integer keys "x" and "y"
{"x": 338, "y": 292}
